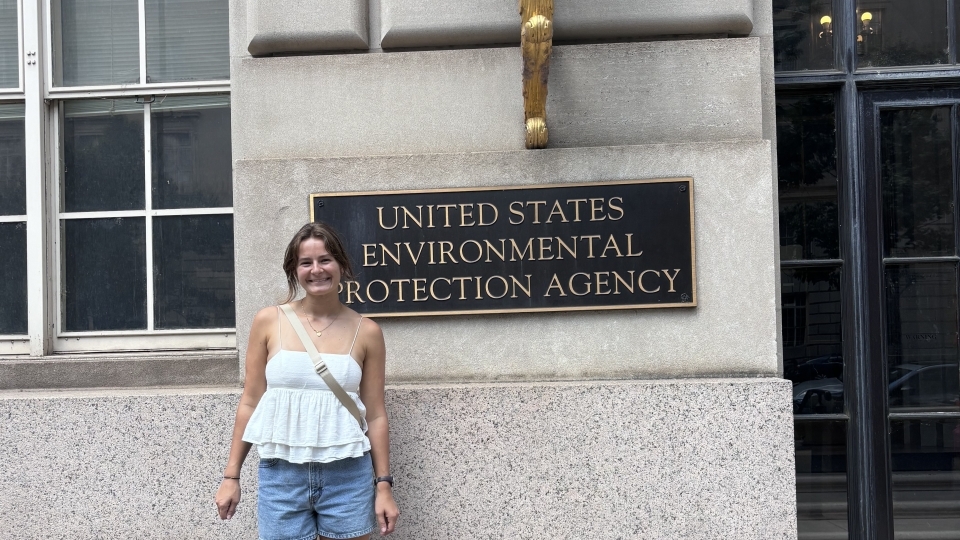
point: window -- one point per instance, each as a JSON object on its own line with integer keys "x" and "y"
{"x": 868, "y": 129}
{"x": 145, "y": 225}
{"x": 9, "y": 44}
{"x": 13, "y": 222}
{"x": 122, "y": 184}
{"x": 124, "y": 42}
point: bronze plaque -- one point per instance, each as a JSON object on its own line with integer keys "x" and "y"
{"x": 558, "y": 247}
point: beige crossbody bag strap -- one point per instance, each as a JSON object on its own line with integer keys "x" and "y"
{"x": 320, "y": 367}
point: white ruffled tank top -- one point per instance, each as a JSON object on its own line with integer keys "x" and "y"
{"x": 299, "y": 419}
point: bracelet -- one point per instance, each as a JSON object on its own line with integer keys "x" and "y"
{"x": 225, "y": 477}
{"x": 387, "y": 478}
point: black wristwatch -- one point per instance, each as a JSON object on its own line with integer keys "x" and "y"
{"x": 388, "y": 479}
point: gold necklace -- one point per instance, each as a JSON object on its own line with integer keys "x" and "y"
{"x": 318, "y": 332}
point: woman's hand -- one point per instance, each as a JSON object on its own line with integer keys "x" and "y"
{"x": 228, "y": 497}
{"x": 386, "y": 508}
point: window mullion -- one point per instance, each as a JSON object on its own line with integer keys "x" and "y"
{"x": 148, "y": 203}
{"x": 143, "y": 40}
{"x": 34, "y": 127}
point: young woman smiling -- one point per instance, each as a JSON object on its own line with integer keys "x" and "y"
{"x": 323, "y": 443}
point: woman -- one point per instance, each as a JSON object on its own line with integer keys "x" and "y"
{"x": 323, "y": 471}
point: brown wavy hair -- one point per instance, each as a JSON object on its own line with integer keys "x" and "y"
{"x": 331, "y": 240}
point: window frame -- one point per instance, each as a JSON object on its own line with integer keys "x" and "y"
{"x": 859, "y": 93}
{"x": 43, "y": 124}
{"x": 140, "y": 88}
{"x": 122, "y": 340}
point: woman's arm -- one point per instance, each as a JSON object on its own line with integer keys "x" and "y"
{"x": 378, "y": 430}
{"x": 254, "y": 385}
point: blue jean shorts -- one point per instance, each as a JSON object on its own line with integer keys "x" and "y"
{"x": 298, "y": 501}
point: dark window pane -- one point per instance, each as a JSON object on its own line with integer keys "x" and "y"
{"x": 13, "y": 169}
{"x": 812, "y": 339}
{"x": 802, "y": 35}
{"x": 105, "y": 274}
{"x": 821, "y": 453}
{"x": 9, "y": 45}
{"x": 103, "y": 156}
{"x": 901, "y": 32}
{"x": 925, "y": 455}
{"x": 193, "y": 271}
{"x": 917, "y": 181}
{"x": 187, "y": 40}
{"x": 13, "y": 278}
{"x": 807, "y": 171}
{"x": 922, "y": 337}
{"x": 192, "y": 164}
{"x": 99, "y": 43}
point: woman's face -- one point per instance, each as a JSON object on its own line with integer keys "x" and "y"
{"x": 317, "y": 271}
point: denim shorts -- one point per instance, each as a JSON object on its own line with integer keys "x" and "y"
{"x": 298, "y": 501}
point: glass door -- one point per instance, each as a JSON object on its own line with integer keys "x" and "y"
{"x": 910, "y": 172}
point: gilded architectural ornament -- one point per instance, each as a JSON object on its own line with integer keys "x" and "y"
{"x": 536, "y": 41}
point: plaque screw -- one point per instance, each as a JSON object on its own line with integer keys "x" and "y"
{"x": 684, "y": 297}
{"x": 320, "y": 204}
{"x": 683, "y": 188}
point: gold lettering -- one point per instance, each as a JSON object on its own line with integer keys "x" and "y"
{"x": 506, "y": 287}
{"x": 516, "y": 212}
{"x": 591, "y": 238}
{"x": 536, "y": 209}
{"x": 431, "y": 243}
{"x": 367, "y": 254}
{"x": 464, "y": 215}
{"x": 353, "y": 288}
{"x": 619, "y": 280}
{"x": 611, "y": 244}
{"x": 516, "y": 283}
{"x": 386, "y": 291}
{"x": 671, "y": 278}
{"x": 407, "y": 214}
{"x": 503, "y": 249}
{"x": 576, "y": 206}
{"x": 400, "y": 283}
{"x": 570, "y": 284}
{"x": 446, "y": 213}
{"x": 557, "y": 209}
{"x": 433, "y": 293}
{"x": 545, "y": 248}
{"x": 605, "y": 282}
{"x": 478, "y": 287}
{"x": 563, "y": 245}
{"x": 380, "y": 216}
{"x": 516, "y": 249}
{"x": 630, "y": 252}
{"x": 419, "y": 288}
{"x": 429, "y": 216}
{"x": 480, "y": 207}
{"x": 463, "y": 286}
{"x": 386, "y": 253}
{"x": 594, "y": 210}
{"x": 446, "y": 252}
{"x": 615, "y": 207}
{"x": 555, "y": 284}
{"x": 410, "y": 252}
{"x": 640, "y": 282}
{"x": 479, "y": 251}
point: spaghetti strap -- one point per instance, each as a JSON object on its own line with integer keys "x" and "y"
{"x": 279, "y": 328}
{"x": 357, "y": 333}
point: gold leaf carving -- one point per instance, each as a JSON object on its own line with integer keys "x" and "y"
{"x": 536, "y": 42}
